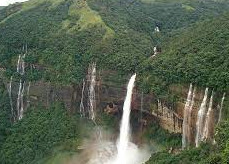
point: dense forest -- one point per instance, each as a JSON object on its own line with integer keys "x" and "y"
{"x": 62, "y": 37}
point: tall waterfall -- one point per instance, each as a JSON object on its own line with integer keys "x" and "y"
{"x": 200, "y": 119}
{"x": 190, "y": 134}
{"x": 92, "y": 100}
{"x": 9, "y": 88}
{"x": 125, "y": 124}
{"x": 209, "y": 120}
{"x": 186, "y": 116}
{"x": 20, "y": 97}
{"x": 221, "y": 108}
{"x": 28, "y": 94}
{"x": 82, "y": 110}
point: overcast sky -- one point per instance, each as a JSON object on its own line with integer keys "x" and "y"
{"x": 7, "y": 2}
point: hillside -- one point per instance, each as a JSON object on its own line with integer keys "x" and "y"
{"x": 94, "y": 31}
{"x": 60, "y": 58}
{"x": 197, "y": 55}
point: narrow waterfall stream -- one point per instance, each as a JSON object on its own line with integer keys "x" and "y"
{"x": 190, "y": 130}
{"x": 186, "y": 116}
{"x": 209, "y": 120}
{"x": 221, "y": 107}
{"x": 20, "y": 97}
{"x": 200, "y": 119}
{"x": 9, "y": 89}
{"x": 82, "y": 110}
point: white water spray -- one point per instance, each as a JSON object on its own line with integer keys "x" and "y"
{"x": 200, "y": 119}
{"x": 125, "y": 125}
{"x": 186, "y": 116}
{"x": 208, "y": 120}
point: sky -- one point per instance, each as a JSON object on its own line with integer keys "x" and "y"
{"x": 7, "y": 2}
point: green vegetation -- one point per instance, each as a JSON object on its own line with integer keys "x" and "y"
{"x": 64, "y": 36}
{"x": 38, "y": 133}
{"x": 205, "y": 154}
{"x": 154, "y": 133}
{"x": 197, "y": 55}
{"x": 5, "y": 114}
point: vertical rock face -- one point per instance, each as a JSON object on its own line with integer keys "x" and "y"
{"x": 110, "y": 91}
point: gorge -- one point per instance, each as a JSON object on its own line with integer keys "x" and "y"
{"x": 64, "y": 68}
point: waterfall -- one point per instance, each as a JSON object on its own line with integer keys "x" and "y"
{"x": 157, "y": 29}
{"x": 190, "y": 115}
{"x": 9, "y": 88}
{"x": 28, "y": 98}
{"x": 155, "y": 50}
{"x": 186, "y": 116}
{"x": 20, "y": 96}
{"x": 125, "y": 124}
{"x": 221, "y": 108}
{"x": 22, "y": 102}
{"x": 200, "y": 119}
{"x": 19, "y": 63}
{"x": 208, "y": 121}
{"x": 92, "y": 101}
{"x": 82, "y": 111}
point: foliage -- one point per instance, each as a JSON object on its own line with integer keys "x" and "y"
{"x": 5, "y": 114}
{"x": 205, "y": 154}
{"x": 64, "y": 36}
{"x": 155, "y": 133}
{"x": 33, "y": 137}
{"x": 197, "y": 55}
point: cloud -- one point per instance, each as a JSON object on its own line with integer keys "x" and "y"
{"x": 7, "y": 2}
